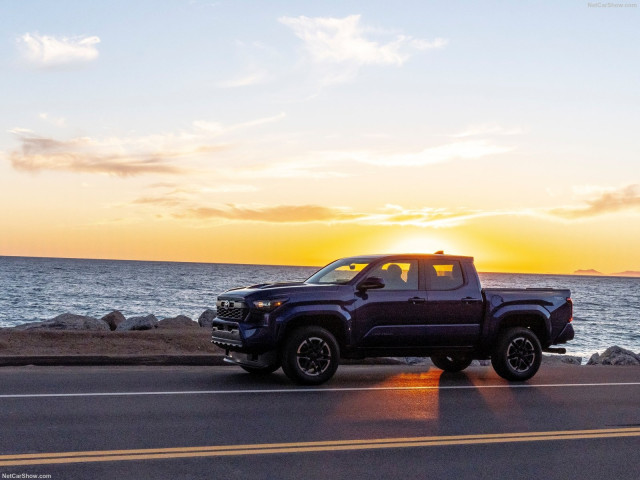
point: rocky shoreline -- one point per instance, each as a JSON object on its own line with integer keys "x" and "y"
{"x": 114, "y": 334}
{"x": 116, "y": 321}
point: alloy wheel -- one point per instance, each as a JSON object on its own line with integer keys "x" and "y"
{"x": 313, "y": 356}
{"x": 521, "y": 354}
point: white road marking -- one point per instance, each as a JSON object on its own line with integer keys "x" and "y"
{"x": 315, "y": 390}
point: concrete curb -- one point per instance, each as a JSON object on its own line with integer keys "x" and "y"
{"x": 195, "y": 360}
{"x": 87, "y": 360}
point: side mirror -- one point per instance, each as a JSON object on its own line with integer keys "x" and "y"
{"x": 371, "y": 283}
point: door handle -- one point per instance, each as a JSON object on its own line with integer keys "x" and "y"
{"x": 469, "y": 300}
{"x": 415, "y": 300}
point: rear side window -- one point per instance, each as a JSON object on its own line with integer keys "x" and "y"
{"x": 442, "y": 275}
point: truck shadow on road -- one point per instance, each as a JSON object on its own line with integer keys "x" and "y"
{"x": 425, "y": 398}
{"x": 485, "y": 403}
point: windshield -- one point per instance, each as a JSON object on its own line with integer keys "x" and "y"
{"x": 340, "y": 272}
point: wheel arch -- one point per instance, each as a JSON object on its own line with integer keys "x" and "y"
{"x": 534, "y": 321}
{"x": 332, "y": 322}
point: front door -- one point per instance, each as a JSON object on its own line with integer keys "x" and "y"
{"x": 393, "y": 316}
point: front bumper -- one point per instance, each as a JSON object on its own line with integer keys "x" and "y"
{"x": 242, "y": 336}
{"x": 254, "y": 360}
{"x": 226, "y": 334}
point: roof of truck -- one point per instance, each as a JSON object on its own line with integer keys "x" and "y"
{"x": 436, "y": 256}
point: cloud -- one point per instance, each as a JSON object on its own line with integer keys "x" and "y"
{"x": 49, "y": 51}
{"x": 124, "y": 156}
{"x": 163, "y": 201}
{"x": 390, "y": 215}
{"x": 623, "y": 199}
{"x": 216, "y": 128}
{"x": 57, "y": 121}
{"x": 312, "y": 166}
{"x": 434, "y": 155}
{"x": 591, "y": 190}
{"x": 83, "y": 155}
{"x": 184, "y": 194}
{"x": 275, "y": 214}
{"x": 342, "y": 42}
{"x": 395, "y": 215}
{"x": 343, "y": 163}
{"x": 488, "y": 129}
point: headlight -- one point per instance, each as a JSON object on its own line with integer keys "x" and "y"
{"x": 268, "y": 305}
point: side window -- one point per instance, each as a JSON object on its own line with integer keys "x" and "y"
{"x": 444, "y": 275}
{"x": 398, "y": 275}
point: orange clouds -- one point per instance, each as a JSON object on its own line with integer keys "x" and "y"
{"x": 626, "y": 198}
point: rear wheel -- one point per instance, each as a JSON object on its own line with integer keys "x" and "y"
{"x": 261, "y": 370}
{"x": 310, "y": 355}
{"x": 517, "y": 355}
{"x": 451, "y": 362}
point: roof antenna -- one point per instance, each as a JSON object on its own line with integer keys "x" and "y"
{"x": 439, "y": 252}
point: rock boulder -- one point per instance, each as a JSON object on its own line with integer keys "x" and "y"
{"x": 138, "y": 323}
{"x": 181, "y": 321}
{"x": 561, "y": 360}
{"x": 67, "y": 321}
{"x": 615, "y": 356}
{"x": 206, "y": 318}
{"x": 113, "y": 319}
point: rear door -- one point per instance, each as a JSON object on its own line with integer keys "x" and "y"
{"x": 454, "y": 306}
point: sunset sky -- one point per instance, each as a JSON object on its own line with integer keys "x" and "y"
{"x": 298, "y": 132}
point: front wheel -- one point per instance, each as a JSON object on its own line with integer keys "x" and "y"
{"x": 310, "y": 355}
{"x": 517, "y": 355}
{"x": 451, "y": 363}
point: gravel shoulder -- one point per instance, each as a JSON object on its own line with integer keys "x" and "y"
{"x": 145, "y": 342}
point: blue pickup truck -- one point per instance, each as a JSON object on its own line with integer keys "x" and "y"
{"x": 390, "y": 305}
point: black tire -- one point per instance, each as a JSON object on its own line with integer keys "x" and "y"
{"x": 310, "y": 355}
{"x": 517, "y": 355}
{"x": 452, "y": 362}
{"x": 261, "y": 370}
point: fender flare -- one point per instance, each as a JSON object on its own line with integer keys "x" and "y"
{"x": 502, "y": 314}
{"x": 298, "y": 312}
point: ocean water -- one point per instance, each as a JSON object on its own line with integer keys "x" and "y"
{"x": 606, "y": 309}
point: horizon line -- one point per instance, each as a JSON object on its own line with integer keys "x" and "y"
{"x": 598, "y": 274}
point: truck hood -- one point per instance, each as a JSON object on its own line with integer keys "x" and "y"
{"x": 273, "y": 290}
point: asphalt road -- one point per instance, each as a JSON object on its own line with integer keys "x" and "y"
{"x": 368, "y": 422}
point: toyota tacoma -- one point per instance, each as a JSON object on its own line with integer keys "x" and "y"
{"x": 390, "y": 305}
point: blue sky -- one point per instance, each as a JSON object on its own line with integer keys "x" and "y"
{"x": 317, "y": 116}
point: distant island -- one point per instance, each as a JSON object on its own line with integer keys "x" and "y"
{"x": 588, "y": 272}
{"x": 626, "y": 273}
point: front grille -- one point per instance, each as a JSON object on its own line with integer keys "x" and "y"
{"x": 230, "y": 308}
{"x": 231, "y": 313}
